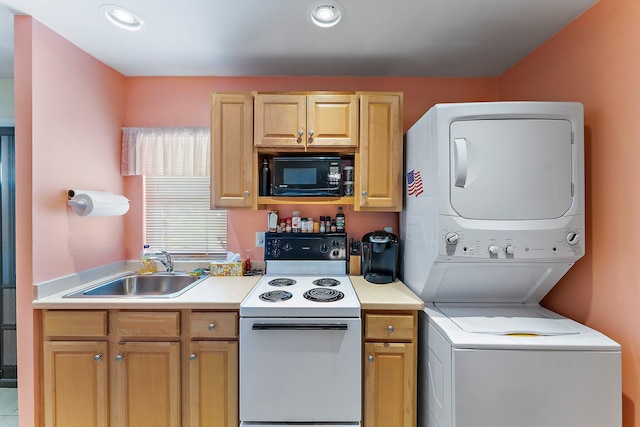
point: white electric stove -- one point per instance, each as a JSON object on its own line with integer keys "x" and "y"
{"x": 300, "y": 337}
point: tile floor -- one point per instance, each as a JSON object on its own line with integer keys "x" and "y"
{"x": 8, "y": 407}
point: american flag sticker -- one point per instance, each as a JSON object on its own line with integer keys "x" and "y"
{"x": 414, "y": 183}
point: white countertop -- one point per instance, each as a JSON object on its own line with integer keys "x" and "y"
{"x": 214, "y": 293}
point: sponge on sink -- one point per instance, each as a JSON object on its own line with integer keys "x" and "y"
{"x": 197, "y": 272}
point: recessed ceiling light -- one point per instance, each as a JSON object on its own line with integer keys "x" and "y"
{"x": 122, "y": 17}
{"x": 326, "y": 13}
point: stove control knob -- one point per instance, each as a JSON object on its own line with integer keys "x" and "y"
{"x": 493, "y": 250}
{"x": 324, "y": 248}
{"x": 509, "y": 250}
{"x": 287, "y": 247}
{"x": 572, "y": 238}
{"x": 452, "y": 238}
{"x": 336, "y": 243}
{"x": 335, "y": 253}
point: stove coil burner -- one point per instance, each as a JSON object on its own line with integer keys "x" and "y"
{"x": 326, "y": 281}
{"x": 275, "y": 296}
{"x": 282, "y": 281}
{"x": 323, "y": 295}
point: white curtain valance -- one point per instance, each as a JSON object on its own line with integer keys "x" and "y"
{"x": 165, "y": 151}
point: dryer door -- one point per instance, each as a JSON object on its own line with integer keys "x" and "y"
{"x": 511, "y": 169}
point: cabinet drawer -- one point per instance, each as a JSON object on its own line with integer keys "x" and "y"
{"x": 213, "y": 325}
{"x": 75, "y": 323}
{"x": 148, "y": 324}
{"x": 389, "y": 327}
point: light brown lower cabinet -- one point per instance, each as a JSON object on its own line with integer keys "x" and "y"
{"x": 390, "y": 369}
{"x": 147, "y": 385}
{"x": 213, "y": 402}
{"x": 76, "y": 383}
{"x": 137, "y": 368}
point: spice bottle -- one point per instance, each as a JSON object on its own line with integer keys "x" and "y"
{"x": 340, "y": 221}
{"x": 322, "y": 229}
{"x": 295, "y": 222}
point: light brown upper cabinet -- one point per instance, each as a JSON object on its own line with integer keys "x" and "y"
{"x": 231, "y": 150}
{"x": 306, "y": 121}
{"x": 367, "y": 126}
{"x": 378, "y": 162}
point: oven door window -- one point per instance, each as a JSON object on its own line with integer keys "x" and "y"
{"x": 300, "y": 370}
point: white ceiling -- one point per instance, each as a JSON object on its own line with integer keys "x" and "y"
{"x": 276, "y": 37}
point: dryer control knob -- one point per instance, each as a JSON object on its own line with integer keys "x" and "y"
{"x": 572, "y": 238}
{"x": 452, "y": 238}
{"x": 509, "y": 250}
{"x": 493, "y": 250}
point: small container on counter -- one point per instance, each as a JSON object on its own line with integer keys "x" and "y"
{"x": 272, "y": 221}
{"x": 295, "y": 222}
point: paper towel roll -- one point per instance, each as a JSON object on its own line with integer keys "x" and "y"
{"x": 99, "y": 204}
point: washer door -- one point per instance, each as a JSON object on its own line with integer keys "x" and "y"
{"x": 511, "y": 169}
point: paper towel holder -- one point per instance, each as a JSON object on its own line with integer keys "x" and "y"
{"x": 77, "y": 203}
{"x": 83, "y": 206}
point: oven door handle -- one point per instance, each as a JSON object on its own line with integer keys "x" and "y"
{"x": 300, "y": 327}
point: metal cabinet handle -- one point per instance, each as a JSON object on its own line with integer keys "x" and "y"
{"x": 300, "y": 133}
{"x": 246, "y": 193}
{"x": 119, "y": 357}
{"x": 97, "y": 357}
{"x": 365, "y": 194}
{"x": 212, "y": 326}
{"x": 390, "y": 328}
{"x": 192, "y": 357}
{"x": 370, "y": 358}
{"x": 311, "y": 133}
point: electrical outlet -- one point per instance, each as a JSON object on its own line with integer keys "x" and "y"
{"x": 259, "y": 239}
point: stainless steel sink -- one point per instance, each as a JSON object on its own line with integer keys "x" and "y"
{"x": 133, "y": 285}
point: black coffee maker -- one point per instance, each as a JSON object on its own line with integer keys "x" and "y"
{"x": 380, "y": 256}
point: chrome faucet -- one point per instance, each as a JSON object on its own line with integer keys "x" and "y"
{"x": 165, "y": 259}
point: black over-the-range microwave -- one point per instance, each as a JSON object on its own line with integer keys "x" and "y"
{"x": 306, "y": 176}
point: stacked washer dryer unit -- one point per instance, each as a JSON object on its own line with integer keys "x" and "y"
{"x": 494, "y": 217}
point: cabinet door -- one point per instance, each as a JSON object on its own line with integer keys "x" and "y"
{"x": 147, "y": 385}
{"x": 280, "y": 120}
{"x": 332, "y": 121}
{"x": 231, "y": 151}
{"x": 76, "y": 391}
{"x": 213, "y": 384}
{"x": 389, "y": 385}
{"x": 379, "y": 183}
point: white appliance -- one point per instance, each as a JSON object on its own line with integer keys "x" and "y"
{"x": 300, "y": 337}
{"x": 494, "y": 217}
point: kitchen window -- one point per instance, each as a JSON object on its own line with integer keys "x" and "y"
{"x": 174, "y": 163}
{"x": 178, "y": 219}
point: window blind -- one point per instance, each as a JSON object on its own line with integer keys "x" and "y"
{"x": 178, "y": 218}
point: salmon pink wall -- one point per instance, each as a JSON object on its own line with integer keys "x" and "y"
{"x": 185, "y": 101}
{"x": 595, "y": 61}
{"x": 69, "y": 110}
